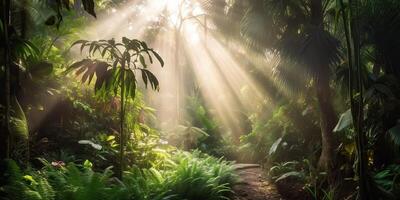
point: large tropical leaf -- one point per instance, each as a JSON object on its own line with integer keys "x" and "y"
{"x": 345, "y": 121}
{"x": 119, "y": 62}
{"x": 91, "y": 143}
{"x": 275, "y": 146}
{"x": 290, "y": 174}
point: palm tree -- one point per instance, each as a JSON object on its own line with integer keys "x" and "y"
{"x": 296, "y": 31}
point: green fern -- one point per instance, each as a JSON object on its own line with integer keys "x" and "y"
{"x": 26, "y": 187}
{"x": 199, "y": 176}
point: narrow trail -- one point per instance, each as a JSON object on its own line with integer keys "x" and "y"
{"x": 253, "y": 185}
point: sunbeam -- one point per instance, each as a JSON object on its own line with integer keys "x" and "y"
{"x": 197, "y": 99}
{"x": 194, "y": 56}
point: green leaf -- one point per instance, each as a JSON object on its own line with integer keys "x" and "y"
{"x": 158, "y": 58}
{"x": 30, "y": 179}
{"x": 125, "y": 40}
{"x": 152, "y": 79}
{"x": 92, "y": 144}
{"x": 91, "y": 47}
{"x": 345, "y": 121}
{"x": 110, "y": 137}
{"x": 88, "y": 5}
{"x": 18, "y": 122}
{"x": 81, "y": 70}
{"x": 77, "y": 65}
{"x": 394, "y": 133}
{"x": 142, "y": 61}
{"x": 87, "y": 164}
{"x": 198, "y": 131}
{"x": 144, "y": 77}
{"x": 289, "y": 174}
{"x": 101, "y": 68}
{"x": 144, "y": 45}
{"x": 275, "y": 146}
{"x": 149, "y": 56}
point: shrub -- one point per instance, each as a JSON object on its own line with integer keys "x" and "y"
{"x": 192, "y": 176}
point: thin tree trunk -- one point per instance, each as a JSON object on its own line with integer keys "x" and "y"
{"x": 24, "y": 29}
{"x": 327, "y": 123}
{"x": 122, "y": 121}
{"x": 5, "y": 139}
{"x": 359, "y": 118}
{"x": 353, "y": 53}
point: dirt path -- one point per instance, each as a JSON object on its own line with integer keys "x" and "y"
{"x": 253, "y": 185}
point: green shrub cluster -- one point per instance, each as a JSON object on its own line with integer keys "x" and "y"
{"x": 191, "y": 176}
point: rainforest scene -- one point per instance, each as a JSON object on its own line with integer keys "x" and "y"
{"x": 199, "y": 100}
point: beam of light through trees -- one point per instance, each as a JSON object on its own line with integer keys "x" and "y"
{"x": 205, "y": 60}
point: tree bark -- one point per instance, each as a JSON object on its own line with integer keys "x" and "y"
{"x": 327, "y": 123}
{"x": 122, "y": 123}
{"x": 5, "y": 136}
{"x": 327, "y": 113}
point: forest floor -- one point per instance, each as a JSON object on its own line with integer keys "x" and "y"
{"x": 253, "y": 185}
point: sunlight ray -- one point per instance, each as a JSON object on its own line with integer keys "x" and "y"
{"x": 129, "y": 21}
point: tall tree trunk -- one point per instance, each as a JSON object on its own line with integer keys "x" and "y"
{"x": 122, "y": 123}
{"x": 5, "y": 135}
{"x": 327, "y": 114}
{"x": 17, "y": 90}
{"x": 358, "y": 108}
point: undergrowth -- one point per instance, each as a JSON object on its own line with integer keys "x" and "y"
{"x": 191, "y": 176}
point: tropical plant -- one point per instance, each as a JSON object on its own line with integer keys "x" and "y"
{"x": 296, "y": 31}
{"x": 145, "y": 184}
{"x": 22, "y": 187}
{"x": 15, "y": 20}
{"x": 286, "y": 134}
{"x": 388, "y": 179}
{"x": 281, "y": 171}
{"x": 116, "y": 72}
{"x": 59, "y": 6}
{"x": 187, "y": 176}
{"x": 198, "y": 176}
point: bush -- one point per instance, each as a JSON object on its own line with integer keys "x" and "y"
{"x": 198, "y": 176}
{"x": 192, "y": 176}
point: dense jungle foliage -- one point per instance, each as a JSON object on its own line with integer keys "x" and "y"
{"x": 160, "y": 99}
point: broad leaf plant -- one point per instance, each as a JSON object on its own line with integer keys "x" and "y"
{"x": 116, "y": 66}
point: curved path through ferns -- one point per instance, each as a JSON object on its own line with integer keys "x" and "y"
{"x": 253, "y": 185}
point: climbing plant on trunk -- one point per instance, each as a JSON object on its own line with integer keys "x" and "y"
{"x": 115, "y": 65}
{"x": 350, "y": 17}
